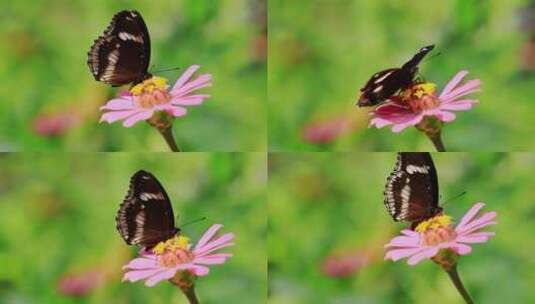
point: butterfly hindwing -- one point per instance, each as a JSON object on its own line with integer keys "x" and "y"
{"x": 146, "y": 216}
{"x": 122, "y": 54}
{"x": 385, "y": 84}
{"x": 411, "y": 191}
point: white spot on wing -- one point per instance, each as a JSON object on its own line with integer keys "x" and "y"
{"x": 383, "y": 77}
{"x": 127, "y": 36}
{"x": 411, "y": 169}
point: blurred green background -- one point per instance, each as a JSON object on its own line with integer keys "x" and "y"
{"x": 327, "y": 205}
{"x": 57, "y": 220}
{"x": 322, "y": 52}
{"x": 49, "y": 99}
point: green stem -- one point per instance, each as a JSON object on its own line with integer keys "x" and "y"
{"x": 454, "y": 276}
{"x": 167, "y": 134}
{"x": 436, "y": 139}
{"x": 190, "y": 294}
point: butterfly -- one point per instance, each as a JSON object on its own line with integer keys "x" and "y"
{"x": 384, "y": 84}
{"x": 122, "y": 54}
{"x": 411, "y": 190}
{"x": 146, "y": 217}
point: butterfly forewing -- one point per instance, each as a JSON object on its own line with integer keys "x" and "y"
{"x": 385, "y": 84}
{"x": 146, "y": 216}
{"x": 122, "y": 54}
{"x": 411, "y": 191}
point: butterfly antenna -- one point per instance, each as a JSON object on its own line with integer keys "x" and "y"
{"x": 453, "y": 198}
{"x": 432, "y": 56}
{"x": 167, "y": 70}
{"x": 194, "y": 221}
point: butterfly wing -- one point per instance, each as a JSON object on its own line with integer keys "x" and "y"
{"x": 384, "y": 84}
{"x": 411, "y": 191}
{"x": 146, "y": 216}
{"x": 380, "y": 87}
{"x": 122, "y": 54}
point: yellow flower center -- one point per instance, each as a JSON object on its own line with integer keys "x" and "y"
{"x": 421, "y": 96}
{"x": 436, "y": 230}
{"x": 151, "y": 92}
{"x": 174, "y": 251}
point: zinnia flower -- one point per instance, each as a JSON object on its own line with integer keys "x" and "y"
{"x": 324, "y": 132}
{"x": 437, "y": 235}
{"x": 80, "y": 284}
{"x": 176, "y": 255}
{"x": 56, "y": 124}
{"x": 152, "y": 95}
{"x": 343, "y": 265}
{"x": 419, "y": 101}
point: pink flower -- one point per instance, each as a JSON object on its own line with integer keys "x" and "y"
{"x": 152, "y": 95}
{"x": 413, "y": 104}
{"x": 346, "y": 264}
{"x": 56, "y": 124}
{"x": 437, "y": 234}
{"x": 176, "y": 255}
{"x": 324, "y": 132}
{"x": 80, "y": 284}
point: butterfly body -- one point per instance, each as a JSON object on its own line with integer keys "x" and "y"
{"x": 384, "y": 84}
{"x": 146, "y": 216}
{"x": 121, "y": 55}
{"x": 411, "y": 190}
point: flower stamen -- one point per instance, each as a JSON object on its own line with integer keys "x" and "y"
{"x": 174, "y": 251}
{"x": 151, "y": 92}
{"x": 436, "y": 230}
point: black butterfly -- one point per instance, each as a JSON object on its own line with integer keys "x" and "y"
{"x": 122, "y": 54}
{"x": 146, "y": 216}
{"x": 411, "y": 190}
{"x": 382, "y": 85}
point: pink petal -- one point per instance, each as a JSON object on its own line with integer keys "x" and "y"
{"x": 199, "y": 270}
{"x": 409, "y": 232}
{"x": 191, "y": 100}
{"x": 144, "y": 115}
{"x": 397, "y": 254}
{"x": 210, "y": 248}
{"x": 175, "y": 111}
{"x": 208, "y": 235}
{"x": 398, "y": 127}
{"x": 119, "y": 104}
{"x": 469, "y": 87}
{"x": 470, "y": 215}
{"x": 163, "y": 275}
{"x": 379, "y": 122}
{"x": 460, "y": 105}
{"x": 390, "y": 109}
{"x": 453, "y": 82}
{"x": 404, "y": 241}
{"x": 114, "y": 116}
{"x": 197, "y": 84}
{"x": 225, "y": 238}
{"x": 137, "y": 275}
{"x": 425, "y": 254}
{"x": 185, "y": 77}
{"x": 444, "y": 116}
{"x": 461, "y": 249}
{"x": 210, "y": 260}
{"x": 478, "y": 223}
{"x": 141, "y": 263}
{"x": 218, "y": 255}
{"x": 475, "y": 238}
